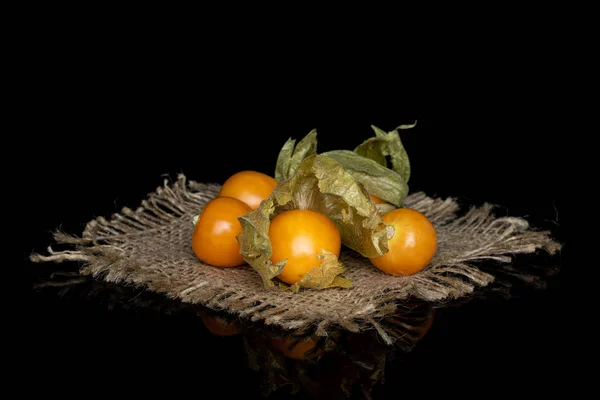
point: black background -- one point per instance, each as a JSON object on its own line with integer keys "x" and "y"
{"x": 108, "y": 130}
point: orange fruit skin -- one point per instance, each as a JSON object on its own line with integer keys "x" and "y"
{"x": 300, "y": 236}
{"x": 377, "y": 200}
{"x": 298, "y": 352}
{"x": 427, "y": 326}
{"x": 219, "y": 327}
{"x": 214, "y": 238}
{"x": 413, "y": 245}
{"x": 251, "y": 187}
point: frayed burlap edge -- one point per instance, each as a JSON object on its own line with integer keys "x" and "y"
{"x": 465, "y": 241}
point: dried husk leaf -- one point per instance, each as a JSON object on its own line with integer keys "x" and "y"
{"x": 368, "y": 163}
{"x": 377, "y": 179}
{"x": 384, "y": 208}
{"x": 320, "y": 184}
{"x": 325, "y": 275}
{"x": 387, "y": 144}
{"x": 290, "y": 156}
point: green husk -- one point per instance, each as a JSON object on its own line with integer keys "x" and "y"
{"x": 290, "y": 157}
{"x": 384, "y": 145}
{"x": 384, "y": 208}
{"x": 377, "y": 179}
{"x": 328, "y": 274}
{"x": 368, "y": 163}
{"x": 320, "y": 184}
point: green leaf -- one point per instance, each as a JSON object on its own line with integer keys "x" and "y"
{"x": 290, "y": 157}
{"x": 387, "y": 144}
{"x": 376, "y": 178}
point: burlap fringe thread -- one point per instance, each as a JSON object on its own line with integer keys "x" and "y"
{"x": 151, "y": 247}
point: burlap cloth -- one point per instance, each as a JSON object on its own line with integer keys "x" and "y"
{"x": 151, "y": 247}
